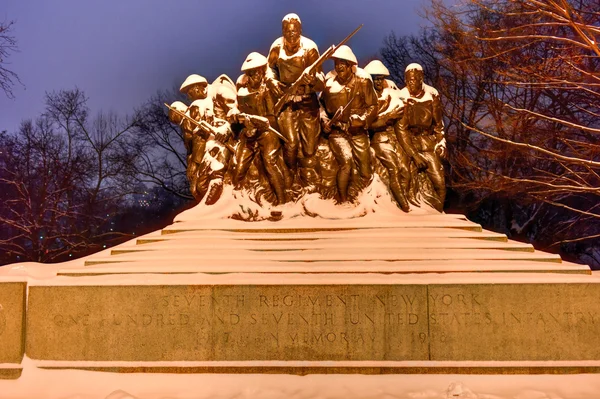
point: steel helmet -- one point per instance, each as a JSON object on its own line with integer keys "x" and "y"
{"x": 413, "y": 66}
{"x": 291, "y": 17}
{"x": 254, "y": 60}
{"x": 344, "y": 53}
{"x": 192, "y": 80}
{"x": 376, "y": 67}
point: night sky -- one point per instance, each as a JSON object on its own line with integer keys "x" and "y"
{"x": 120, "y": 52}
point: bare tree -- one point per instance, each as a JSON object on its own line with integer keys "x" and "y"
{"x": 62, "y": 181}
{"x": 8, "y": 45}
{"x": 159, "y": 145}
{"x": 519, "y": 81}
{"x": 535, "y": 116}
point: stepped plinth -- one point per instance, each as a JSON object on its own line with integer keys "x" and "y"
{"x": 408, "y": 293}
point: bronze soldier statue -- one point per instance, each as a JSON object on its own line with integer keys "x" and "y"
{"x": 289, "y": 58}
{"x": 421, "y": 131}
{"x": 199, "y": 127}
{"x": 349, "y": 107}
{"x": 383, "y": 139}
{"x": 255, "y": 112}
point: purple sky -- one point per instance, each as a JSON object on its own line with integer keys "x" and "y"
{"x": 120, "y": 52}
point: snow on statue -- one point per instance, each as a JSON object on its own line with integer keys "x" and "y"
{"x": 286, "y": 136}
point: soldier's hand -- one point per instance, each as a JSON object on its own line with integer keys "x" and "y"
{"x": 250, "y": 132}
{"x": 419, "y": 161}
{"x": 306, "y": 78}
{"x": 276, "y": 87}
{"x": 187, "y": 125}
{"x": 326, "y": 126}
{"x": 232, "y": 115}
{"x": 440, "y": 148}
{"x": 397, "y": 112}
{"x": 343, "y": 126}
{"x": 262, "y": 124}
{"x": 357, "y": 121}
{"x": 221, "y": 135}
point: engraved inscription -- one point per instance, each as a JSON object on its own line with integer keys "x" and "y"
{"x": 446, "y": 309}
{"x": 513, "y": 322}
{"x": 2, "y": 320}
{"x": 251, "y": 322}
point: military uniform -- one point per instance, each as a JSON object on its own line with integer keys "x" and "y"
{"x": 203, "y": 167}
{"x": 299, "y": 118}
{"x": 420, "y": 131}
{"x": 388, "y": 150}
{"x": 383, "y": 138}
{"x": 350, "y": 144}
{"x": 257, "y": 139}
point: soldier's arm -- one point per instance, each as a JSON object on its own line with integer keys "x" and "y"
{"x": 369, "y": 112}
{"x": 318, "y": 81}
{"x": 222, "y": 130}
{"x": 272, "y": 59}
{"x": 438, "y": 115}
{"x": 438, "y": 126}
{"x": 270, "y": 109}
{"x": 325, "y": 120}
{"x": 272, "y": 78}
{"x": 382, "y": 116}
{"x": 404, "y": 138}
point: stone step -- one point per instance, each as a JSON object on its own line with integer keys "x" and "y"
{"x": 191, "y": 266}
{"x": 303, "y": 224}
{"x": 390, "y": 233}
{"x": 319, "y": 255}
{"x": 368, "y": 244}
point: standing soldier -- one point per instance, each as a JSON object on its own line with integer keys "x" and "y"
{"x": 201, "y": 171}
{"x": 350, "y": 106}
{"x": 421, "y": 130}
{"x": 383, "y": 139}
{"x": 289, "y": 58}
{"x": 258, "y": 136}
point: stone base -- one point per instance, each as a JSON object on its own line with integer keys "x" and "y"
{"x": 417, "y": 294}
{"x": 11, "y": 372}
{"x": 12, "y": 323}
{"x": 325, "y": 319}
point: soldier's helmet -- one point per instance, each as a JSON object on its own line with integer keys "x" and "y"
{"x": 291, "y": 17}
{"x": 345, "y": 53}
{"x": 254, "y": 60}
{"x": 376, "y": 67}
{"x": 179, "y": 106}
{"x": 192, "y": 80}
{"x": 413, "y": 67}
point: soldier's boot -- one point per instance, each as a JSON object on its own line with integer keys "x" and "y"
{"x": 309, "y": 175}
{"x": 343, "y": 180}
{"x": 214, "y": 191}
{"x": 276, "y": 179}
{"x": 399, "y": 195}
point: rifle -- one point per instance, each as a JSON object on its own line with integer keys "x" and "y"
{"x": 341, "y": 111}
{"x": 260, "y": 121}
{"x": 291, "y": 91}
{"x": 202, "y": 125}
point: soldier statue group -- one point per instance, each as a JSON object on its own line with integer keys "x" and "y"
{"x": 285, "y": 128}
